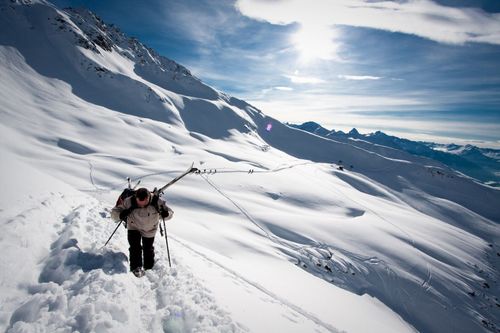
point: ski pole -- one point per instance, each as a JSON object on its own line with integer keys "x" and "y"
{"x": 166, "y": 241}
{"x": 119, "y": 223}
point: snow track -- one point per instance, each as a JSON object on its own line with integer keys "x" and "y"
{"x": 293, "y": 310}
{"x": 84, "y": 289}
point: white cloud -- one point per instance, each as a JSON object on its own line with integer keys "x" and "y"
{"x": 423, "y": 18}
{"x": 304, "y": 79}
{"x": 336, "y": 112}
{"x": 359, "y": 77}
{"x": 368, "y": 114}
{"x": 328, "y": 104}
{"x": 199, "y": 23}
{"x": 267, "y": 91}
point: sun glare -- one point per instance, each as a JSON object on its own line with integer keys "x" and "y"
{"x": 315, "y": 42}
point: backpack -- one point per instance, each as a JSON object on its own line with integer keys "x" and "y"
{"x": 128, "y": 192}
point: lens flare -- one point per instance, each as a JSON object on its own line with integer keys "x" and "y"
{"x": 269, "y": 127}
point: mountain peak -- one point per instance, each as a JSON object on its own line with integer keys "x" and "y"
{"x": 109, "y": 38}
{"x": 378, "y": 133}
{"x": 354, "y": 132}
{"x": 28, "y": 2}
{"x": 312, "y": 127}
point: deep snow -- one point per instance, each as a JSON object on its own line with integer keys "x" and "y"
{"x": 272, "y": 236}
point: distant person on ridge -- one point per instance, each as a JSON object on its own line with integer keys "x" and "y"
{"x": 141, "y": 212}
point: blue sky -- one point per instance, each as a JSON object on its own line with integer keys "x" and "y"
{"x": 420, "y": 69}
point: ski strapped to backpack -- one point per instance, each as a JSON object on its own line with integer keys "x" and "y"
{"x": 130, "y": 191}
{"x": 176, "y": 179}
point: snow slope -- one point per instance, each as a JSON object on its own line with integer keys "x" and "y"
{"x": 272, "y": 236}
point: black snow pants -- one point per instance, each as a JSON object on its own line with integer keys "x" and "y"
{"x": 137, "y": 251}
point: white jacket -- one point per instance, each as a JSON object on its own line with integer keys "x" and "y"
{"x": 145, "y": 220}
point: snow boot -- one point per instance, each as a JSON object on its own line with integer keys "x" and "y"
{"x": 138, "y": 272}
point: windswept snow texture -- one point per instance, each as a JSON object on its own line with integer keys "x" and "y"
{"x": 282, "y": 231}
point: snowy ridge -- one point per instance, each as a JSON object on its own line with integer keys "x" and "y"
{"x": 282, "y": 231}
{"x": 479, "y": 163}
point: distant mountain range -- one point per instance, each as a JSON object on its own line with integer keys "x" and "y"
{"x": 482, "y": 164}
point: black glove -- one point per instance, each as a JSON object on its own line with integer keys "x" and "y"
{"x": 164, "y": 213}
{"x": 124, "y": 214}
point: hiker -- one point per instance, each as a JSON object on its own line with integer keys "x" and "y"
{"x": 141, "y": 213}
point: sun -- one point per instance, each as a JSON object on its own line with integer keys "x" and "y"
{"x": 315, "y": 41}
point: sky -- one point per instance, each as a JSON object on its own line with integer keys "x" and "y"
{"x": 420, "y": 69}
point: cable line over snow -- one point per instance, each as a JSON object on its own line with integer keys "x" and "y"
{"x": 299, "y": 249}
